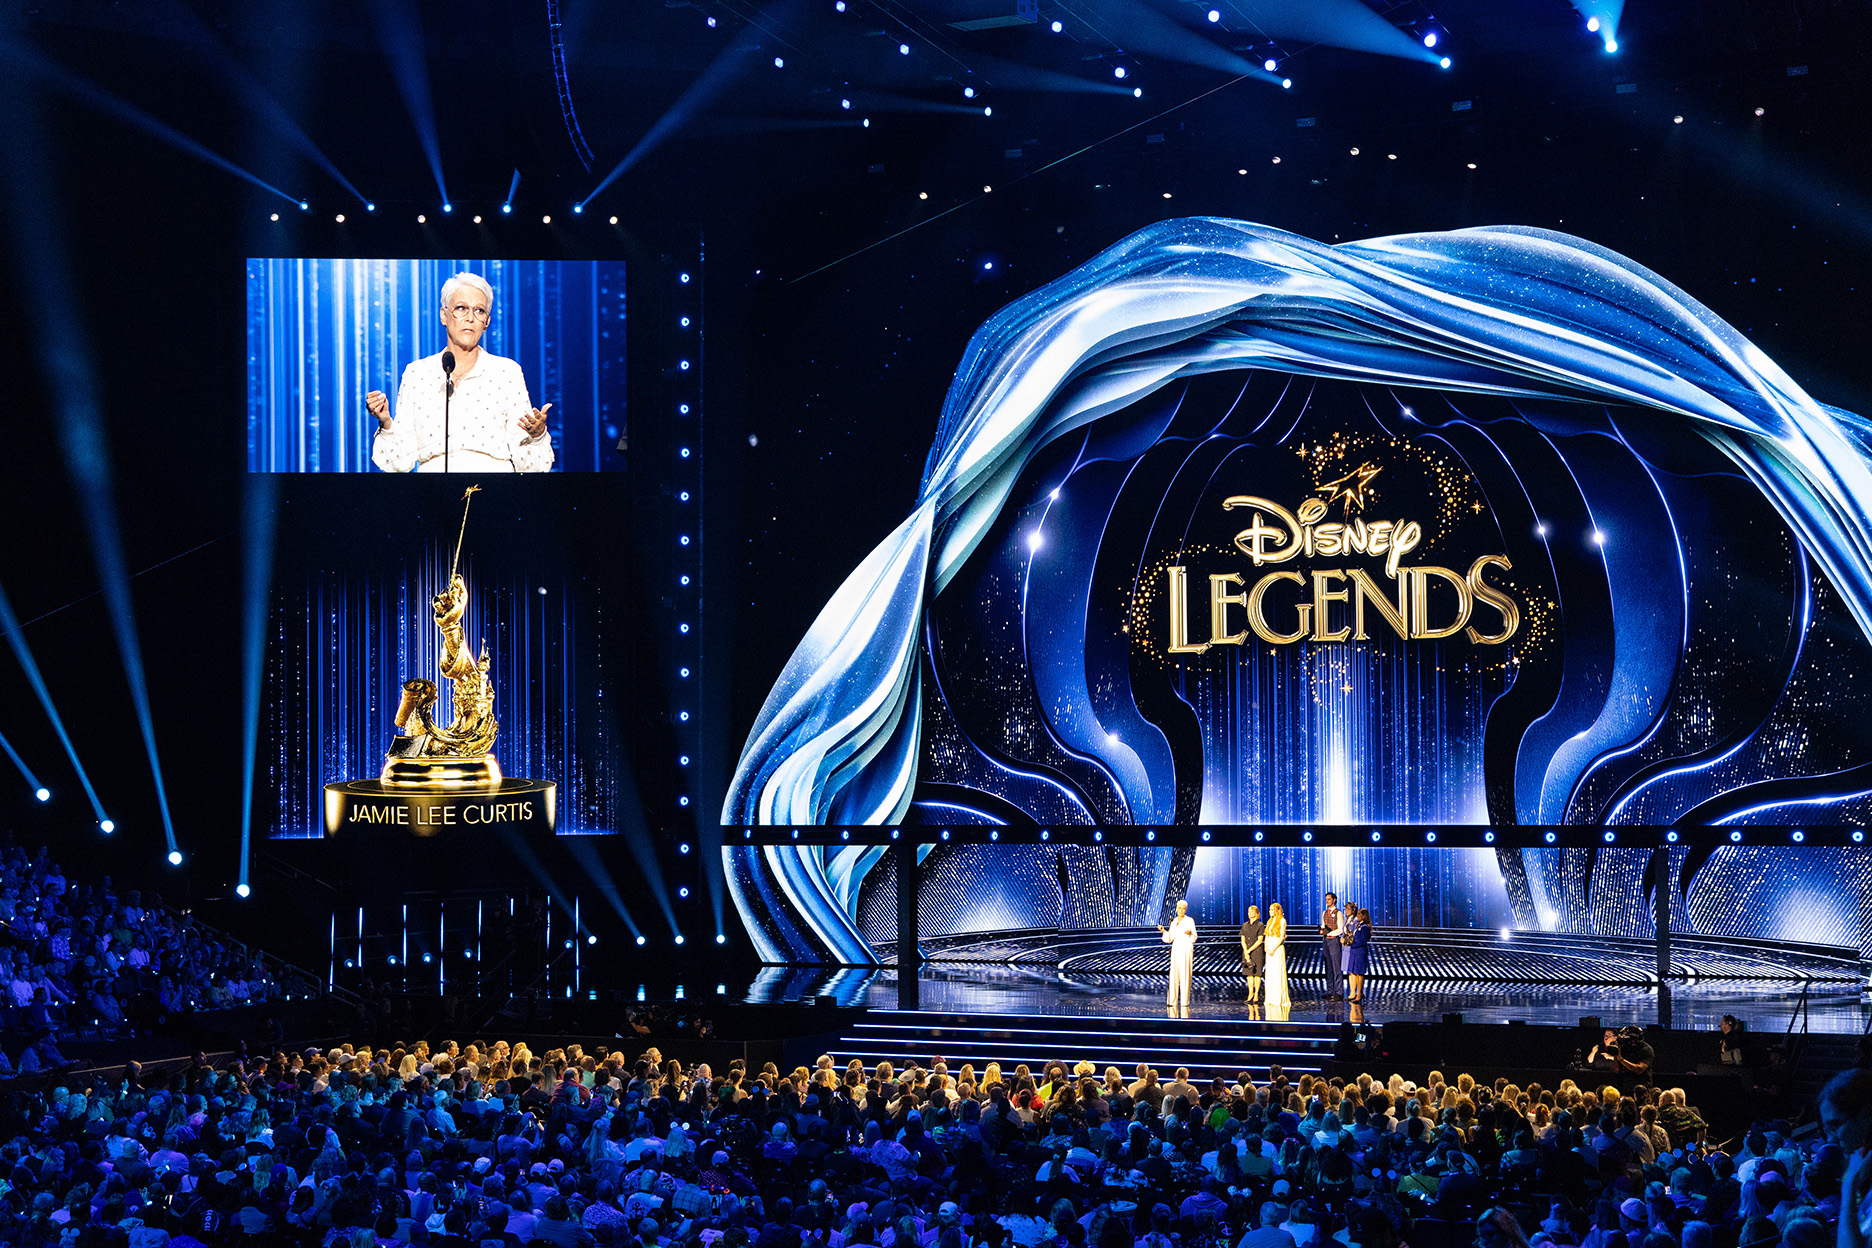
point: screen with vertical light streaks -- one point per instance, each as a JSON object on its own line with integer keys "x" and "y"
{"x": 352, "y": 620}
{"x": 322, "y": 333}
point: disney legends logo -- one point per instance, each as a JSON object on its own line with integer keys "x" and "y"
{"x": 1333, "y": 602}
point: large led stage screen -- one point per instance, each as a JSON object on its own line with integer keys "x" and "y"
{"x": 1229, "y": 528}
{"x": 545, "y": 617}
{"x": 324, "y": 334}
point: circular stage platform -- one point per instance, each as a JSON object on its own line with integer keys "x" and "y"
{"x": 1412, "y": 957}
{"x": 1417, "y": 974}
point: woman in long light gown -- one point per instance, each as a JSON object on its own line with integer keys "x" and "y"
{"x": 1274, "y": 975}
{"x": 1181, "y": 937}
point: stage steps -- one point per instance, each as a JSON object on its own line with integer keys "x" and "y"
{"x": 1208, "y": 1046}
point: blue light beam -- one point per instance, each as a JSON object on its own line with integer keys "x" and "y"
{"x": 18, "y": 56}
{"x": 258, "y": 506}
{"x": 743, "y": 54}
{"x": 1013, "y": 76}
{"x": 71, "y": 384}
{"x": 1140, "y": 28}
{"x": 400, "y": 29}
{"x": 182, "y": 22}
{"x": 1336, "y": 23}
{"x": 32, "y": 781}
{"x": 16, "y": 637}
{"x": 585, "y": 853}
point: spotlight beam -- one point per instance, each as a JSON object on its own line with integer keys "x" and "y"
{"x": 71, "y": 384}
{"x": 532, "y": 863}
{"x": 1335, "y": 23}
{"x": 258, "y": 506}
{"x": 734, "y": 60}
{"x": 1140, "y": 28}
{"x": 873, "y": 102}
{"x": 1013, "y": 76}
{"x": 26, "y": 60}
{"x": 10, "y": 625}
{"x": 182, "y": 21}
{"x": 636, "y": 834}
{"x": 586, "y": 855}
{"x": 400, "y": 29}
{"x": 32, "y": 781}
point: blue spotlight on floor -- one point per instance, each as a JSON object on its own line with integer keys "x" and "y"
{"x": 241, "y": 890}
{"x": 175, "y": 857}
{"x": 107, "y": 826}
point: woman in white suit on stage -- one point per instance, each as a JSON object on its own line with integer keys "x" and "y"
{"x": 1181, "y": 937}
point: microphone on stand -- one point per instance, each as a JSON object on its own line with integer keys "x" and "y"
{"x": 448, "y": 392}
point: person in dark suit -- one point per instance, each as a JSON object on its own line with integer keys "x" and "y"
{"x": 1332, "y": 927}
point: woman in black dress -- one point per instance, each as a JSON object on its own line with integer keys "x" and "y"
{"x": 1253, "y": 951}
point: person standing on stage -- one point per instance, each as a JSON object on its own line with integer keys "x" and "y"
{"x": 1332, "y": 927}
{"x": 487, "y": 424}
{"x": 1357, "y": 951}
{"x": 1181, "y": 937}
{"x": 1276, "y": 969}
{"x": 1253, "y": 951}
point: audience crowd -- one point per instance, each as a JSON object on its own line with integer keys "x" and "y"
{"x": 493, "y": 1146}
{"x": 78, "y": 959}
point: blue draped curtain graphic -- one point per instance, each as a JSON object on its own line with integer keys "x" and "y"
{"x": 1507, "y": 311}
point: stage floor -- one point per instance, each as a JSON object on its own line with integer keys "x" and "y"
{"x": 1767, "y": 1007}
{"x": 1541, "y": 979}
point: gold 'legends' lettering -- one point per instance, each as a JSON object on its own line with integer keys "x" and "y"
{"x": 1332, "y": 602}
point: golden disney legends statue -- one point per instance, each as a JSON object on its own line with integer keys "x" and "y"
{"x": 460, "y": 754}
{"x": 442, "y": 776}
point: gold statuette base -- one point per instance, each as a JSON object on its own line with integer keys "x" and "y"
{"x": 441, "y": 773}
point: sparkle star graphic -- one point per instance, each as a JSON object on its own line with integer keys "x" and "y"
{"x": 1353, "y": 488}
